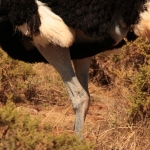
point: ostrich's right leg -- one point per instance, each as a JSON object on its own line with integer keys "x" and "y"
{"x": 60, "y": 59}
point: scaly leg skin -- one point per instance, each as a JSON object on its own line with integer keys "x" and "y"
{"x": 82, "y": 67}
{"x": 60, "y": 59}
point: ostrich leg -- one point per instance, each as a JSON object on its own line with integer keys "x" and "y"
{"x": 82, "y": 72}
{"x": 60, "y": 59}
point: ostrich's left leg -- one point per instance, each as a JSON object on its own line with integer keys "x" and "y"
{"x": 60, "y": 59}
{"x": 82, "y": 67}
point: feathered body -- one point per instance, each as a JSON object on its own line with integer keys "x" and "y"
{"x": 97, "y": 19}
{"x": 94, "y": 17}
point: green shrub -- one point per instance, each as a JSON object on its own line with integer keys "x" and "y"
{"x": 130, "y": 70}
{"x": 19, "y": 131}
{"x": 136, "y": 58}
{"x": 140, "y": 98}
{"x": 16, "y": 79}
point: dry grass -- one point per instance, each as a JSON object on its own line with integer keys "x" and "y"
{"x": 107, "y": 121}
{"x": 107, "y": 125}
{"x": 112, "y": 131}
{"x": 124, "y": 80}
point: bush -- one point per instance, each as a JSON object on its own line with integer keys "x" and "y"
{"x": 20, "y": 131}
{"x": 16, "y": 79}
{"x": 128, "y": 69}
{"x": 139, "y": 81}
{"x": 140, "y": 98}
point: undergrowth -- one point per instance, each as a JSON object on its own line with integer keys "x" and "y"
{"x": 129, "y": 69}
{"x": 19, "y": 131}
{"x": 16, "y": 79}
{"x": 23, "y": 83}
{"x": 140, "y": 99}
{"x": 20, "y": 84}
{"x": 139, "y": 80}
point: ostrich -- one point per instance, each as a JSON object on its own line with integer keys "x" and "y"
{"x": 65, "y": 30}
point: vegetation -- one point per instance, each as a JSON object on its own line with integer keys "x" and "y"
{"x": 129, "y": 69}
{"x": 22, "y": 83}
{"x": 20, "y": 131}
{"x": 119, "y": 86}
{"x": 125, "y": 78}
{"x": 16, "y": 79}
{"x": 20, "y": 86}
